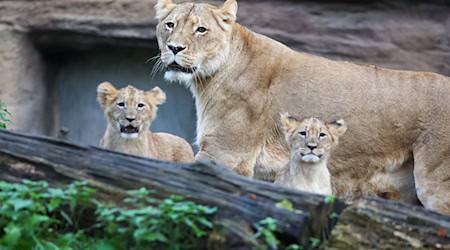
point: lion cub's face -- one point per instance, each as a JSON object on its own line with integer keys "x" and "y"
{"x": 310, "y": 140}
{"x": 129, "y": 110}
{"x": 193, "y": 38}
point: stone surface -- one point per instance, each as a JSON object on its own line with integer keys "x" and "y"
{"x": 22, "y": 84}
{"x": 412, "y": 35}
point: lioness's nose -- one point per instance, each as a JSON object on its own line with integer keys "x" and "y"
{"x": 176, "y": 49}
{"x": 130, "y": 119}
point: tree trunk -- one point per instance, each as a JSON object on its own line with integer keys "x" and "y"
{"x": 380, "y": 224}
{"x": 241, "y": 201}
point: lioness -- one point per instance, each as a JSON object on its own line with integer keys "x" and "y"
{"x": 241, "y": 81}
{"x": 130, "y": 112}
{"x": 310, "y": 143}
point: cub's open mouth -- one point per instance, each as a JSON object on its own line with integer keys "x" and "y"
{"x": 129, "y": 129}
{"x": 176, "y": 67}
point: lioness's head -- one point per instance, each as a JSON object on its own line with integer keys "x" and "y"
{"x": 311, "y": 139}
{"x": 193, "y": 38}
{"x": 129, "y": 110}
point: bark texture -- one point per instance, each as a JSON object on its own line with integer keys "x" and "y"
{"x": 381, "y": 224}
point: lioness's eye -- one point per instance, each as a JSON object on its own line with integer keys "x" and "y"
{"x": 201, "y": 29}
{"x": 140, "y": 105}
{"x": 302, "y": 133}
{"x": 170, "y": 25}
{"x": 121, "y": 104}
{"x": 322, "y": 135}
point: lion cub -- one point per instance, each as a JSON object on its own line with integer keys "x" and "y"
{"x": 130, "y": 112}
{"x": 310, "y": 142}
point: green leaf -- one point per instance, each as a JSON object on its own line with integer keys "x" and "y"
{"x": 66, "y": 217}
{"x": 198, "y": 232}
{"x": 205, "y": 222}
{"x": 270, "y": 223}
{"x": 37, "y": 219}
{"x": 271, "y": 239}
{"x": 12, "y": 234}
{"x": 103, "y": 245}
{"x": 176, "y": 198}
{"x": 294, "y": 247}
{"x": 53, "y": 204}
{"x": 151, "y": 237}
{"x": 56, "y": 192}
{"x": 286, "y": 204}
{"x": 206, "y": 209}
{"x": 330, "y": 198}
{"x": 334, "y": 215}
{"x": 20, "y": 203}
{"x": 314, "y": 242}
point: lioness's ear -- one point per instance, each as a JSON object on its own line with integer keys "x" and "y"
{"x": 337, "y": 128}
{"x": 227, "y": 13}
{"x": 106, "y": 94}
{"x": 163, "y": 8}
{"x": 156, "y": 95}
{"x": 288, "y": 123}
{"x": 229, "y": 10}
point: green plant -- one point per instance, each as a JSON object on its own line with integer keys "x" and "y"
{"x": 265, "y": 230}
{"x": 315, "y": 243}
{"x": 329, "y": 199}
{"x": 5, "y": 115}
{"x": 334, "y": 216}
{"x": 294, "y": 247}
{"x": 288, "y": 205}
{"x": 36, "y": 216}
{"x": 173, "y": 224}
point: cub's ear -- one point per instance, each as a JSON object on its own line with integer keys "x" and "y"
{"x": 106, "y": 94}
{"x": 156, "y": 96}
{"x": 288, "y": 123}
{"x": 163, "y": 8}
{"x": 226, "y": 14}
{"x": 337, "y": 128}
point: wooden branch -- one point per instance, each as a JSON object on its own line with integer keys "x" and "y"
{"x": 381, "y": 224}
{"x": 242, "y": 202}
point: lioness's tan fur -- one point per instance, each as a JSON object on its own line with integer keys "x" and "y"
{"x": 398, "y": 142}
{"x": 310, "y": 142}
{"x": 161, "y": 146}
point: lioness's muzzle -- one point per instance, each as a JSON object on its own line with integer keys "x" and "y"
{"x": 176, "y": 67}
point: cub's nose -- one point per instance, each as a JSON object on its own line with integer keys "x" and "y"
{"x": 176, "y": 49}
{"x": 311, "y": 146}
{"x": 130, "y": 119}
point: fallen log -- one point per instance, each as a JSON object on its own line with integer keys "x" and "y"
{"x": 241, "y": 201}
{"x": 380, "y": 224}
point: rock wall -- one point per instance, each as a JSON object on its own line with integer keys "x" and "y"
{"x": 412, "y": 35}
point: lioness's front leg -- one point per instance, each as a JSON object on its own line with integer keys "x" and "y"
{"x": 241, "y": 161}
{"x": 432, "y": 172}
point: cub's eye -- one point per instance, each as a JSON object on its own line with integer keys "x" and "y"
{"x": 322, "y": 135}
{"x": 121, "y": 104}
{"x": 140, "y": 105}
{"x": 170, "y": 25}
{"x": 201, "y": 29}
{"x": 302, "y": 133}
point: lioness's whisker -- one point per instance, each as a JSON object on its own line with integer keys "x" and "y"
{"x": 156, "y": 67}
{"x": 153, "y": 58}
